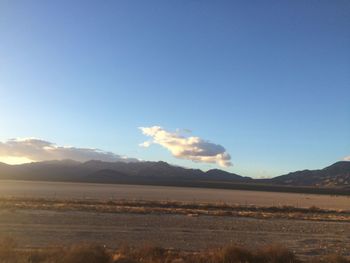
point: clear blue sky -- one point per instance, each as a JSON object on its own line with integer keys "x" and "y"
{"x": 267, "y": 80}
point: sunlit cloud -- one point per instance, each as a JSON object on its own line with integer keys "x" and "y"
{"x": 187, "y": 147}
{"x": 14, "y": 160}
{"x": 347, "y": 158}
{"x": 22, "y": 150}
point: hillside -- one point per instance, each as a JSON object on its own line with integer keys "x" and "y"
{"x": 111, "y": 172}
{"x": 335, "y": 175}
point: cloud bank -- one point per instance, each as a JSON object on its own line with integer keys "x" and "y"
{"x": 190, "y": 148}
{"x": 40, "y": 150}
{"x": 347, "y": 158}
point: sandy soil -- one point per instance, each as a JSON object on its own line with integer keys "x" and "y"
{"x": 39, "y": 228}
{"x": 59, "y": 190}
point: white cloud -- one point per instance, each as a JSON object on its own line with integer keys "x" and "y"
{"x": 190, "y": 148}
{"x": 40, "y": 150}
{"x": 347, "y": 158}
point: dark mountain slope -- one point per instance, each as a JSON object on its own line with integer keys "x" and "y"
{"x": 162, "y": 173}
{"x": 99, "y": 171}
{"x": 217, "y": 173}
{"x": 335, "y": 175}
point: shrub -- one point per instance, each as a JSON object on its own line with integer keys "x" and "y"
{"x": 235, "y": 254}
{"x": 86, "y": 254}
{"x": 151, "y": 254}
{"x": 275, "y": 254}
{"x": 7, "y": 250}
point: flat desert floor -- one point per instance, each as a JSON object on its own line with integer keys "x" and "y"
{"x": 61, "y": 190}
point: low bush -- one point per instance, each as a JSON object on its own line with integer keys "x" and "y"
{"x": 275, "y": 254}
{"x": 87, "y": 253}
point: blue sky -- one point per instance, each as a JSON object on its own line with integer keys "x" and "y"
{"x": 267, "y": 80}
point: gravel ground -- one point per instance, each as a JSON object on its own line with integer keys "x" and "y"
{"x": 38, "y": 228}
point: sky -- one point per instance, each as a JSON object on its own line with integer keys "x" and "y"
{"x": 258, "y": 88}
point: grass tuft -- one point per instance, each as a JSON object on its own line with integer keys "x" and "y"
{"x": 87, "y": 253}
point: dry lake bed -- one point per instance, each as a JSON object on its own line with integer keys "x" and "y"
{"x": 61, "y": 190}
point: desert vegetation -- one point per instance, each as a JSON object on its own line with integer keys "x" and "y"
{"x": 175, "y": 207}
{"x": 89, "y": 253}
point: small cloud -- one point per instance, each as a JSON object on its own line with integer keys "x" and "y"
{"x": 145, "y": 144}
{"x": 190, "y": 148}
{"x": 40, "y": 150}
{"x": 347, "y": 158}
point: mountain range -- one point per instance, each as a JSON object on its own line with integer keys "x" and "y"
{"x": 335, "y": 176}
{"x": 99, "y": 171}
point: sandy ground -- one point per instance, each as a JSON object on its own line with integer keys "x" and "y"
{"x": 61, "y": 190}
{"x": 39, "y": 228}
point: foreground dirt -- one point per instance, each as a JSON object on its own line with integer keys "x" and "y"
{"x": 40, "y": 228}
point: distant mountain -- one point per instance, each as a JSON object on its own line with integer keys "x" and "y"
{"x": 162, "y": 173}
{"x": 111, "y": 172}
{"x": 217, "y": 173}
{"x": 335, "y": 175}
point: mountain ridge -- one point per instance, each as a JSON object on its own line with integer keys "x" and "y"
{"x": 333, "y": 176}
{"x": 337, "y": 174}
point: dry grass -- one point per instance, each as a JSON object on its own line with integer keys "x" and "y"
{"x": 7, "y": 250}
{"x": 170, "y": 207}
{"x": 87, "y": 253}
